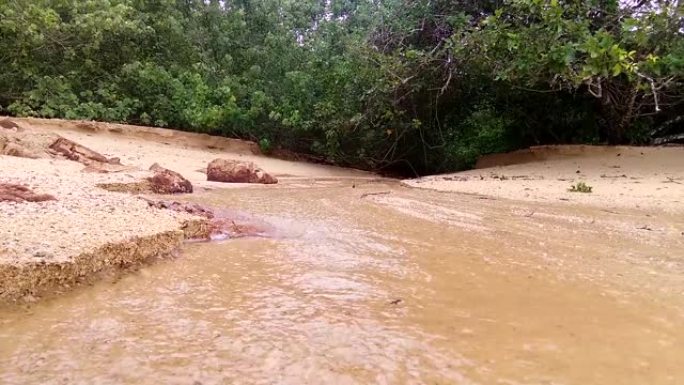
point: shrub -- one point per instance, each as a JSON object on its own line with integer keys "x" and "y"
{"x": 581, "y": 187}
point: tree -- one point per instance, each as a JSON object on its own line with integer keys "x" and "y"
{"x": 627, "y": 57}
{"x": 404, "y": 86}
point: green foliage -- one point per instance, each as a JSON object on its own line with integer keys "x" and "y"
{"x": 581, "y": 187}
{"x": 482, "y": 132}
{"x": 265, "y": 146}
{"x": 391, "y": 85}
{"x": 619, "y": 54}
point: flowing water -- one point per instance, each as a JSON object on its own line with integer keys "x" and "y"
{"x": 377, "y": 285}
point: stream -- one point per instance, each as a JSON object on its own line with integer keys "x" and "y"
{"x": 376, "y": 284}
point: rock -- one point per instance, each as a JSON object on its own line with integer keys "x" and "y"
{"x": 16, "y": 149}
{"x": 15, "y": 141}
{"x": 190, "y": 208}
{"x": 43, "y": 255}
{"x": 18, "y": 193}
{"x": 166, "y": 181}
{"x": 10, "y": 125}
{"x": 235, "y": 171}
{"x": 74, "y": 151}
{"x": 21, "y": 144}
{"x": 213, "y": 226}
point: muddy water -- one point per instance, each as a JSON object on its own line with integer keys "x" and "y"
{"x": 396, "y": 287}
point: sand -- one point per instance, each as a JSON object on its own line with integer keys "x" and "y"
{"x": 648, "y": 178}
{"x": 44, "y": 245}
{"x": 82, "y": 217}
{"x": 87, "y": 228}
{"x": 183, "y": 152}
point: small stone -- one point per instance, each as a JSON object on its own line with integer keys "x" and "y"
{"x": 42, "y": 255}
{"x": 236, "y": 171}
{"x": 166, "y": 181}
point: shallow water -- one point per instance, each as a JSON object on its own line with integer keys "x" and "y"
{"x": 397, "y": 287}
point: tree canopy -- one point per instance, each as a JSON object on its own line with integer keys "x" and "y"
{"x": 409, "y": 86}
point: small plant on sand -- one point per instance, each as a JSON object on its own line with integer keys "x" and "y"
{"x": 265, "y": 146}
{"x": 580, "y": 187}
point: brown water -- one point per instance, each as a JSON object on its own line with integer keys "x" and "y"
{"x": 409, "y": 287}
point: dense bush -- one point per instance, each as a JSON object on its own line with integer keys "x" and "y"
{"x": 404, "y": 86}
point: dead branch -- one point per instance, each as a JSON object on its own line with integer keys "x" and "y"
{"x": 653, "y": 89}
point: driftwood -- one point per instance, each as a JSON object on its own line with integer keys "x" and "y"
{"x": 668, "y": 139}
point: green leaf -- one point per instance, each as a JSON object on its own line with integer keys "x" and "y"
{"x": 617, "y": 69}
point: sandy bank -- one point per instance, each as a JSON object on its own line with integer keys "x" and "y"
{"x": 620, "y": 177}
{"x": 57, "y": 243}
{"x": 185, "y": 152}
